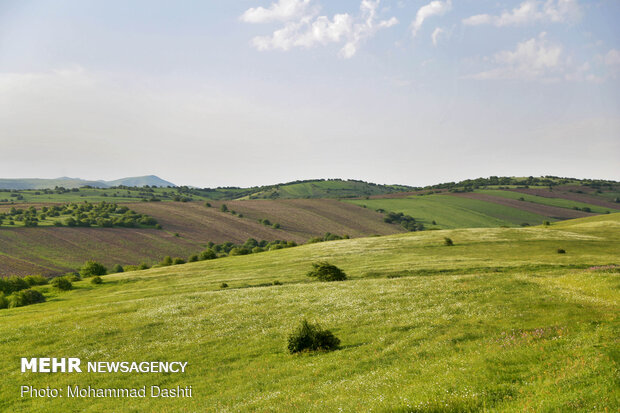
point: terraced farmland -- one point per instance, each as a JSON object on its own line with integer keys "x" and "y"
{"x": 187, "y": 227}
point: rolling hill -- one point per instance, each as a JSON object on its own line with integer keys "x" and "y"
{"x": 52, "y": 250}
{"x": 498, "y": 322}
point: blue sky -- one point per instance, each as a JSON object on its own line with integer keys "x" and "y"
{"x": 213, "y": 93}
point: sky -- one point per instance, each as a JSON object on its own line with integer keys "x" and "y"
{"x": 255, "y": 92}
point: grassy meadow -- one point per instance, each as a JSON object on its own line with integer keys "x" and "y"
{"x": 454, "y": 212}
{"x": 498, "y": 322}
{"x": 557, "y": 202}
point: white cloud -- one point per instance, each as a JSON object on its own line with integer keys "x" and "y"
{"x": 530, "y": 11}
{"x": 434, "y": 8}
{"x": 612, "y": 58}
{"x": 533, "y": 59}
{"x": 436, "y": 34}
{"x": 310, "y": 31}
{"x": 283, "y": 10}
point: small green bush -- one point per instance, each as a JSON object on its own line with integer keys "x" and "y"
{"x": 25, "y": 297}
{"x": 96, "y": 280}
{"x": 448, "y": 242}
{"x": 178, "y": 260}
{"x": 92, "y": 268}
{"x": 4, "y": 303}
{"x": 208, "y": 254}
{"x": 35, "y": 280}
{"x": 12, "y": 284}
{"x": 561, "y": 251}
{"x": 144, "y": 266}
{"x": 73, "y": 276}
{"x": 325, "y": 271}
{"x": 166, "y": 261}
{"x": 62, "y": 283}
{"x": 223, "y": 285}
{"x": 311, "y": 337}
{"x": 276, "y": 282}
{"x": 117, "y": 268}
{"x": 193, "y": 258}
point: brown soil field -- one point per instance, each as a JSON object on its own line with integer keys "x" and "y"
{"x": 562, "y": 192}
{"x": 53, "y": 250}
{"x": 299, "y": 219}
{"x": 546, "y": 210}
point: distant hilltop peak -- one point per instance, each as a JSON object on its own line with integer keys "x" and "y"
{"x": 150, "y": 180}
{"x": 67, "y": 182}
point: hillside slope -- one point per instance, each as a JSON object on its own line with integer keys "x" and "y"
{"x": 424, "y": 327}
{"x": 51, "y": 250}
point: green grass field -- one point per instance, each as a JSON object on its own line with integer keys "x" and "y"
{"x": 454, "y": 212}
{"x": 557, "y": 202}
{"x": 498, "y": 322}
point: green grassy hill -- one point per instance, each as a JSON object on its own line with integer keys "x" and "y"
{"x": 332, "y": 188}
{"x": 498, "y": 322}
{"x": 454, "y": 212}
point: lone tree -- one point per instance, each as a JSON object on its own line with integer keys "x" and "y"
{"x": 448, "y": 242}
{"x": 325, "y": 271}
{"x": 92, "y": 268}
{"x": 311, "y": 337}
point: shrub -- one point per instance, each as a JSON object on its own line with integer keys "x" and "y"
{"x": 276, "y": 282}
{"x": 4, "y": 303}
{"x": 223, "y": 285}
{"x": 93, "y": 268}
{"x": 117, "y": 268}
{"x": 208, "y": 254}
{"x": 208, "y": 204}
{"x": 448, "y": 242}
{"x": 561, "y": 251}
{"x": 311, "y": 337}
{"x": 257, "y": 250}
{"x": 62, "y": 283}
{"x": 224, "y": 208}
{"x": 96, "y": 280}
{"x": 178, "y": 261}
{"x": 276, "y": 225}
{"x": 325, "y": 271}
{"x": 239, "y": 251}
{"x": 12, "y": 284}
{"x": 166, "y": 261}
{"x": 546, "y": 223}
{"x": 193, "y": 258}
{"x": 144, "y": 266}
{"x": 35, "y": 280}
{"x": 25, "y": 297}
{"x": 73, "y": 276}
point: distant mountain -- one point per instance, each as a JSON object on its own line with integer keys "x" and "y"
{"x": 66, "y": 182}
{"x": 138, "y": 181}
